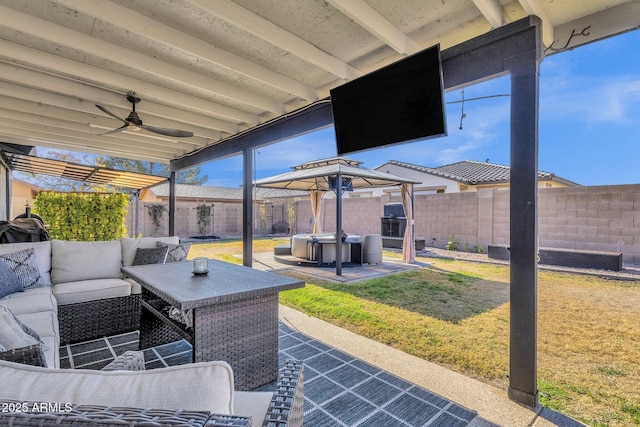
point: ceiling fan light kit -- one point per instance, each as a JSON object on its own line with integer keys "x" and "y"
{"x": 134, "y": 122}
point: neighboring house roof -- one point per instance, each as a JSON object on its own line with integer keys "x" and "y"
{"x": 220, "y": 193}
{"x": 475, "y": 173}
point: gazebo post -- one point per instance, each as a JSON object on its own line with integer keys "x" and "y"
{"x": 339, "y": 225}
{"x": 247, "y": 207}
{"x": 172, "y": 203}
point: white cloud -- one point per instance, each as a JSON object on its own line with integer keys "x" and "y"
{"x": 595, "y": 83}
{"x": 614, "y": 99}
{"x": 298, "y": 150}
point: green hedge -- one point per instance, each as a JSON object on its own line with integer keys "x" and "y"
{"x": 83, "y": 216}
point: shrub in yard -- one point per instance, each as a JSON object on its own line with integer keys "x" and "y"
{"x": 452, "y": 245}
{"x": 83, "y": 216}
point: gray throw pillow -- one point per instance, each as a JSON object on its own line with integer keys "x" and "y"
{"x": 146, "y": 256}
{"x": 177, "y": 252}
{"x": 25, "y": 267}
{"x": 127, "y": 361}
{"x": 27, "y": 330}
{"x": 9, "y": 283}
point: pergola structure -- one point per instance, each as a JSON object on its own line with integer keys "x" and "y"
{"x": 97, "y": 175}
{"x": 241, "y": 74}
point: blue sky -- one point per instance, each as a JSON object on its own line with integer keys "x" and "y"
{"x": 589, "y": 128}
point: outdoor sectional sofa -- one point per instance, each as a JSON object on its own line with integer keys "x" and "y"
{"x": 197, "y": 394}
{"x": 76, "y": 292}
{"x": 80, "y": 293}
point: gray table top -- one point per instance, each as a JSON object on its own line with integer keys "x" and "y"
{"x": 226, "y": 282}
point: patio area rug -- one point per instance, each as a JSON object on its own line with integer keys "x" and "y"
{"x": 339, "y": 389}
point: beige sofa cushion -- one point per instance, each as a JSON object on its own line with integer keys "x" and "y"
{"x": 31, "y": 301}
{"x": 45, "y": 323}
{"x": 42, "y": 252}
{"x": 12, "y": 335}
{"x": 204, "y": 386}
{"x": 73, "y": 261}
{"x": 329, "y": 253}
{"x": 51, "y": 350}
{"x": 90, "y": 290}
{"x": 300, "y": 245}
{"x": 129, "y": 246}
{"x": 254, "y": 404}
{"x": 135, "y": 286}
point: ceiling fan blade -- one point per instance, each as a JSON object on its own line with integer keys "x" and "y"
{"x": 134, "y": 120}
{"x": 166, "y": 131}
{"x": 104, "y": 110}
{"x": 121, "y": 128}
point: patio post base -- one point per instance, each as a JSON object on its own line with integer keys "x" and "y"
{"x": 523, "y": 397}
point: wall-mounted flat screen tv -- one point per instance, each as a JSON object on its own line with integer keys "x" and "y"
{"x": 401, "y": 102}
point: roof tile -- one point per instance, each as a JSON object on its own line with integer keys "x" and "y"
{"x": 470, "y": 172}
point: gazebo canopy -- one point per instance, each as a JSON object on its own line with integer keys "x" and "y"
{"x": 316, "y": 175}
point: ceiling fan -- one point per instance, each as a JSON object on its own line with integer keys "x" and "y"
{"x": 133, "y": 120}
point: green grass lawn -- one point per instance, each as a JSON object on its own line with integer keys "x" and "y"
{"x": 230, "y": 250}
{"x": 456, "y": 314}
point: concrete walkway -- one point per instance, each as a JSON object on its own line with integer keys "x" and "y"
{"x": 492, "y": 405}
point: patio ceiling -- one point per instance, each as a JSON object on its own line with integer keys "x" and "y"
{"x": 218, "y": 68}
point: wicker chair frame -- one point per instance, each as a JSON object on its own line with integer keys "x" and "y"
{"x": 30, "y": 355}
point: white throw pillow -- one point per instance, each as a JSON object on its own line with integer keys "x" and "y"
{"x": 204, "y": 386}
{"x": 12, "y": 335}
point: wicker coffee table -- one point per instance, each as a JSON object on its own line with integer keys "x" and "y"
{"x": 235, "y": 314}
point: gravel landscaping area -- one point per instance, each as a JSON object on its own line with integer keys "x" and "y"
{"x": 628, "y": 272}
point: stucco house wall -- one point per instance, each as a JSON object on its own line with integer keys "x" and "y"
{"x": 22, "y": 193}
{"x": 429, "y": 183}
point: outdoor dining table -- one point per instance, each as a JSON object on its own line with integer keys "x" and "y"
{"x": 234, "y": 312}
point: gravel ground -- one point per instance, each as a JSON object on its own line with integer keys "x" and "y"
{"x": 628, "y": 272}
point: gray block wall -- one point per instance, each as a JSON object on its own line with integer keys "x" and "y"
{"x": 600, "y": 218}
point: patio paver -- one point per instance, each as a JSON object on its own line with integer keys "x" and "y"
{"x": 340, "y": 390}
